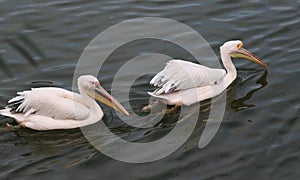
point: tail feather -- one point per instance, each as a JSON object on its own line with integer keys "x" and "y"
{"x": 19, "y": 117}
{"x": 15, "y": 103}
{"x": 17, "y": 98}
{"x": 13, "y": 109}
{"x": 5, "y": 112}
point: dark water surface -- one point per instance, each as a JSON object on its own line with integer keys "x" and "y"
{"x": 259, "y": 137}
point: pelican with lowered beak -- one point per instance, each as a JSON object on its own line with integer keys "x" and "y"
{"x": 50, "y": 108}
{"x": 183, "y": 82}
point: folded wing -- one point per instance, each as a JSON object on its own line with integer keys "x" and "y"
{"x": 180, "y": 75}
{"x": 50, "y": 102}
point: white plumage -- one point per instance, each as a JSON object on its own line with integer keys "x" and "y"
{"x": 182, "y": 82}
{"x": 181, "y": 75}
{"x": 55, "y": 108}
{"x": 60, "y": 103}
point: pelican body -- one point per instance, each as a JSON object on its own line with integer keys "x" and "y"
{"x": 50, "y": 108}
{"x": 183, "y": 82}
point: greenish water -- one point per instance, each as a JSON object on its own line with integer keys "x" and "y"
{"x": 41, "y": 43}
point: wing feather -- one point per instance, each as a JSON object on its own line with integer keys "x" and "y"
{"x": 50, "y": 102}
{"x": 180, "y": 75}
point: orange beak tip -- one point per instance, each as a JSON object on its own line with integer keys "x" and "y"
{"x": 266, "y": 66}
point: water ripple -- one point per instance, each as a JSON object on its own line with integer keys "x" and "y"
{"x": 258, "y": 135}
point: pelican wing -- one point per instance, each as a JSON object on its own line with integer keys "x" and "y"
{"x": 55, "y": 103}
{"x": 180, "y": 75}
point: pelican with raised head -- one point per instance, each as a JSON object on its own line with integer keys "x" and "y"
{"x": 183, "y": 82}
{"x": 50, "y": 108}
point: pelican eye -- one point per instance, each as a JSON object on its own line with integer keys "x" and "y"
{"x": 239, "y": 46}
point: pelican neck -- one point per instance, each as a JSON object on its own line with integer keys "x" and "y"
{"x": 229, "y": 66}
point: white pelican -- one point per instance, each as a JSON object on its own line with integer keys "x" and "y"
{"x": 50, "y": 108}
{"x": 182, "y": 82}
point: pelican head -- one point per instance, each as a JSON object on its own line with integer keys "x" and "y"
{"x": 236, "y": 50}
{"x": 88, "y": 82}
{"x": 91, "y": 86}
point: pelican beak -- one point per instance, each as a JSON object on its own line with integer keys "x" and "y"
{"x": 243, "y": 53}
{"x": 101, "y": 95}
